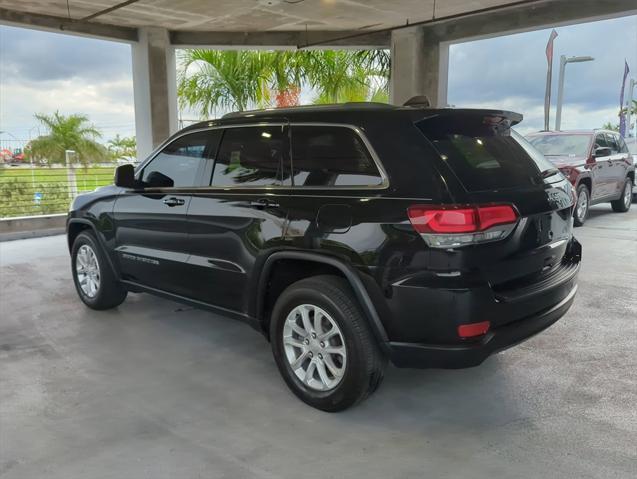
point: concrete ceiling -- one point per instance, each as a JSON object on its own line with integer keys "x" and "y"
{"x": 301, "y": 23}
{"x": 254, "y": 15}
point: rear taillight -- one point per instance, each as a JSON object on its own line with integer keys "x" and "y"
{"x": 451, "y": 226}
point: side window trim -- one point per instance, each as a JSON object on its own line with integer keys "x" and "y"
{"x": 384, "y": 184}
{"x": 211, "y": 162}
{"x": 381, "y": 169}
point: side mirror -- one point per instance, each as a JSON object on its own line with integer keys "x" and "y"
{"x": 602, "y": 151}
{"x": 125, "y": 176}
{"x": 156, "y": 179}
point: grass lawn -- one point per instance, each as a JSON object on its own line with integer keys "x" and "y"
{"x": 42, "y": 190}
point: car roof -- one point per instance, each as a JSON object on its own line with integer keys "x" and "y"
{"x": 333, "y": 113}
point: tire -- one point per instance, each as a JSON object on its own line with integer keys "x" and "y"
{"x": 108, "y": 292}
{"x": 362, "y": 366}
{"x": 622, "y": 204}
{"x": 582, "y": 205}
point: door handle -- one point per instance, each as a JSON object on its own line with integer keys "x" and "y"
{"x": 174, "y": 202}
{"x": 263, "y": 203}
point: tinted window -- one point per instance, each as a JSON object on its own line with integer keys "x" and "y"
{"x": 612, "y": 142}
{"x": 180, "y": 161}
{"x": 484, "y": 152}
{"x": 623, "y": 148}
{"x": 536, "y": 155}
{"x": 251, "y": 156}
{"x": 600, "y": 141}
{"x": 561, "y": 145}
{"x": 331, "y": 156}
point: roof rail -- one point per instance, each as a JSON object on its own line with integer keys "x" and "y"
{"x": 331, "y": 106}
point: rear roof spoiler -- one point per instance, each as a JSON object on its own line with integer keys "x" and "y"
{"x": 494, "y": 116}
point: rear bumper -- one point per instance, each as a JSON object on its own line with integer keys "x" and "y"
{"x": 415, "y": 355}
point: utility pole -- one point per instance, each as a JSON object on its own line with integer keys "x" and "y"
{"x": 70, "y": 174}
{"x": 560, "y": 92}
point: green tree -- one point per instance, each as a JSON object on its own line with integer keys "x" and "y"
{"x": 632, "y": 108}
{"x": 286, "y": 74}
{"x": 336, "y": 76}
{"x": 122, "y": 147}
{"x": 350, "y": 76}
{"x": 377, "y": 63}
{"x": 229, "y": 79}
{"x": 239, "y": 80}
{"x": 609, "y": 126}
{"x": 72, "y": 132}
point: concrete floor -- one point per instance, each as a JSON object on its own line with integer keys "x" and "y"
{"x": 156, "y": 390}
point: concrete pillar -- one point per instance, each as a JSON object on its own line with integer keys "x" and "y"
{"x": 420, "y": 65}
{"x": 155, "y": 89}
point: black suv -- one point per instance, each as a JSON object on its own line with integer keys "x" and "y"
{"x": 348, "y": 235}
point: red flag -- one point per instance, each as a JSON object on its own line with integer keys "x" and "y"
{"x": 549, "y": 47}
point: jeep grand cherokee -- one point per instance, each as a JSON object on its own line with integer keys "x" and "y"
{"x": 348, "y": 235}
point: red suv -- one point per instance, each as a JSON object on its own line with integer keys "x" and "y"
{"x": 596, "y": 162}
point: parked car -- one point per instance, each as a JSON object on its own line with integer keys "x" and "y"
{"x": 348, "y": 235}
{"x": 597, "y": 163}
{"x": 631, "y": 143}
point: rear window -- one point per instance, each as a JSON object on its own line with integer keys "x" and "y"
{"x": 484, "y": 152}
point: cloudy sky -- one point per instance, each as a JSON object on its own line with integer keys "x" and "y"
{"x": 510, "y": 72}
{"x": 44, "y": 72}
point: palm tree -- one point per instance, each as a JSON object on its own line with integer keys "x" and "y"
{"x": 376, "y": 62}
{"x": 609, "y": 126}
{"x": 72, "y": 132}
{"x": 229, "y": 79}
{"x": 336, "y": 75}
{"x": 345, "y": 76}
{"x": 286, "y": 74}
{"x": 632, "y": 108}
{"x": 236, "y": 80}
{"x": 122, "y": 147}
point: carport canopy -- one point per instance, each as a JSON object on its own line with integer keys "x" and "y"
{"x": 418, "y": 32}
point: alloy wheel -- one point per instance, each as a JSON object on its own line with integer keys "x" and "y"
{"x": 87, "y": 270}
{"x": 582, "y": 205}
{"x": 628, "y": 194}
{"x": 314, "y": 347}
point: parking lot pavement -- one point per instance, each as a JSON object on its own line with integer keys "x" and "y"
{"x": 155, "y": 390}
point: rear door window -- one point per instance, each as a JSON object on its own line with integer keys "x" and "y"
{"x": 251, "y": 156}
{"x": 331, "y": 156}
{"x": 484, "y": 153}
